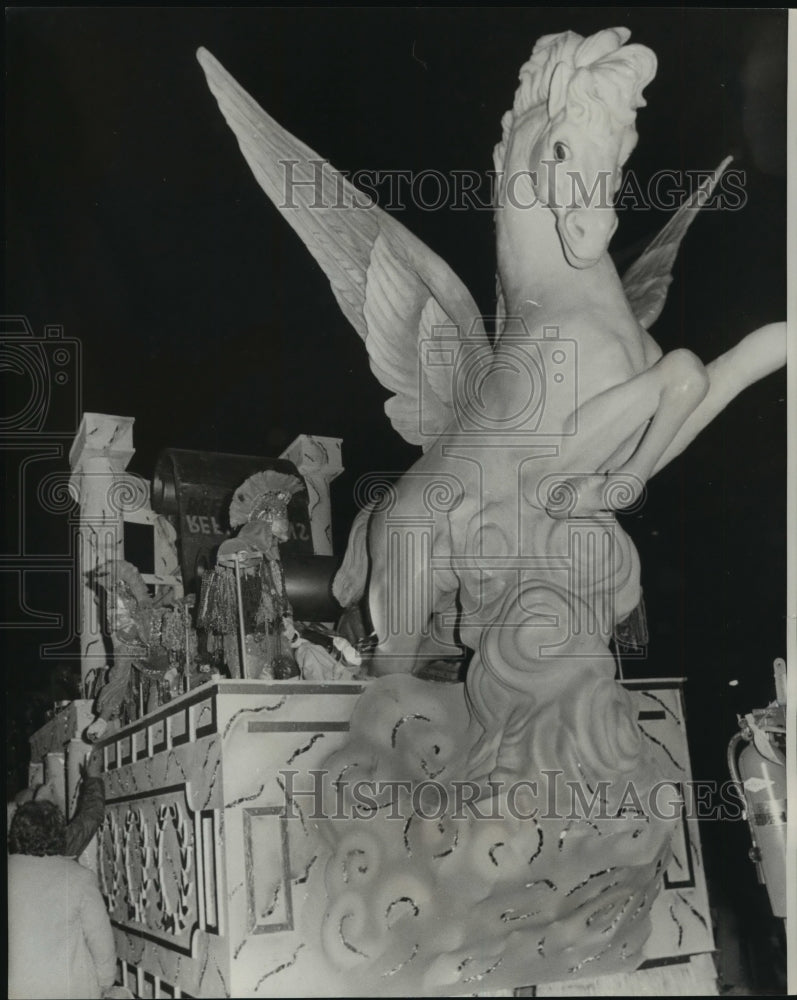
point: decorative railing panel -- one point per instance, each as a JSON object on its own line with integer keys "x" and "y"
{"x": 200, "y": 868}
{"x": 680, "y": 916}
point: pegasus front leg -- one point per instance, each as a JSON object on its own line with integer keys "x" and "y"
{"x": 606, "y": 426}
{"x": 759, "y": 354}
{"x": 683, "y": 385}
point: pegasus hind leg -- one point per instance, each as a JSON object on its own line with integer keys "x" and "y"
{"x": 403, "y": 596}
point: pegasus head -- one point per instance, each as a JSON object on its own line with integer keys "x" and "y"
{"x": 572, "y": 129}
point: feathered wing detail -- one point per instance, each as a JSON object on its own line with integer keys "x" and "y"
{"x": 647, "y": 280}
{"x": 391, "y": 287}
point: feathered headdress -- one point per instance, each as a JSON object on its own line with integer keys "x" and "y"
{"x": 263, "y": 496}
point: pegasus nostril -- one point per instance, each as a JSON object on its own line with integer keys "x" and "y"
{"x": 575, "y": 227}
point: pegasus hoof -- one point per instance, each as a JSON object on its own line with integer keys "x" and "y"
{"x": 585, "y": 496}
{"x": 383, "y": 663}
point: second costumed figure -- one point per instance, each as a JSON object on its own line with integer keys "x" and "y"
{"x": 243, "y": 606}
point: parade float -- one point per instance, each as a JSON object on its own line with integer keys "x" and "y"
{"x": 463, "y": 797}
{"x": 213, "y": 859}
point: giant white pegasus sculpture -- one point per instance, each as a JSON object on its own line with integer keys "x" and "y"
{"x": 531, "y": 441}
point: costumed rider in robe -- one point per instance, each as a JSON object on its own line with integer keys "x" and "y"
{"x": 149, "y": 639}
{"x": 275, "y": 646}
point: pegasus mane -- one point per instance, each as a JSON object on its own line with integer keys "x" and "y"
{"x": 605, "y": 79}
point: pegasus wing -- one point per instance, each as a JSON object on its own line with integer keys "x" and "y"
{"x": 392, "y": 288}
{"x": 647, "y": 280}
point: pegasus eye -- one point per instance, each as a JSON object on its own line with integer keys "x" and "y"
{"x": 560, "y": 151}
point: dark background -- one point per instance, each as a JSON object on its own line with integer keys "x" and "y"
{"x": 132, "y": 219}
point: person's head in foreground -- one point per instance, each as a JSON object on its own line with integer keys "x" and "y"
{"x": 38, "y": 828}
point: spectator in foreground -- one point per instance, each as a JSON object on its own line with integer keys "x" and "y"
{"x": 89, "y": 811}
{"x": 89, "y": 814}
{"x": 60, "y": 942}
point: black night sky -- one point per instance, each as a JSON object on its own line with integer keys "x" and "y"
{"x": 133, "y": 221}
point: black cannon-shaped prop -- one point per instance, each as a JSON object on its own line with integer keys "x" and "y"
{"x": 194, "y": 489}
